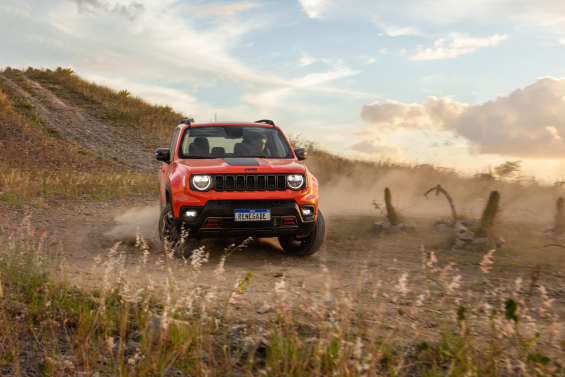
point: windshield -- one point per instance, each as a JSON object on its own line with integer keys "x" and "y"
{"x": 233, "y": 141}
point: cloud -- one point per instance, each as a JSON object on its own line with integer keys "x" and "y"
{"x": 279, "y": 89}
{"x": 110, "y": 63}
{"x": 220, "y": 11}
{"x": 446, "y": 143}
{"x": 314, "y": 8}
{"x": 129, "y": 11}
{"x": 458, "y": 45}
{"x": 373, "y": 146}
{"x": 306, "y": 60}
{"x": 541, "y": 19}
{"x": 396, "y": 31}
{"x": 529, "y": 122}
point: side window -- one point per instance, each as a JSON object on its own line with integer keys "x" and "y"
{"x": 174, "y": 140}
{"x": 280, "y": 147}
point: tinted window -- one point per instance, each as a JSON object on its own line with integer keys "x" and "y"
{"x": 234, "y": 141}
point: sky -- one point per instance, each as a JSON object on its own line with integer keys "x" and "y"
{"x": 465, "y": 84}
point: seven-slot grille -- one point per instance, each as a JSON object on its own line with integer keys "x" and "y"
{"x": 252, "y": 202}
{"x": 249, "y": 182}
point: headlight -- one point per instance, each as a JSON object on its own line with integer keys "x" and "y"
{"x": 295, "y": 181}
{"x": 201, "y": 182}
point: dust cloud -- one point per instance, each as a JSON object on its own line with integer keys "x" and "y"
{"x": 142, "y": 219}
{"x": 349, "y": 187}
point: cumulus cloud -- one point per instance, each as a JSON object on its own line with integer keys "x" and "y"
{"x": 373, "y": 146}
{"x": 529, "y": 122}
{"x": 457, "y": 45}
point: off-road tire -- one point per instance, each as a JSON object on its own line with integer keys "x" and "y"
{"x": 302, "y": 247}
{"x": 171, "y": 238}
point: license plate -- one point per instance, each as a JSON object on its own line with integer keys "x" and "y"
{"x": 252, "y": 215}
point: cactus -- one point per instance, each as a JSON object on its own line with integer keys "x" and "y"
{"x": 390, "y": 213}
{"x": 489, "y": 214}
{"x": 559, "y": 226}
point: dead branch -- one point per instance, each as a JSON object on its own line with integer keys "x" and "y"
{"x": 442, "y": 190}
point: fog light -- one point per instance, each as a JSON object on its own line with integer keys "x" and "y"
{"x": 191, "y": 213}
{"x": 306, "y": 211}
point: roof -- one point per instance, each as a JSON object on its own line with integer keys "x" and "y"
{"x": 230, "y": 123}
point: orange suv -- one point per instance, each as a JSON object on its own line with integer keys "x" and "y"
{"x": 237, "y": 179}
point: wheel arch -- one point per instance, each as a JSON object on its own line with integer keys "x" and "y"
{"x": 168, "y": 196}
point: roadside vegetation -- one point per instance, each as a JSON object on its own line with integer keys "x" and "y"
{"x": 413, "y": 325}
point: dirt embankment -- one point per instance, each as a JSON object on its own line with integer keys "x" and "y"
{"x": 82, "y": 123}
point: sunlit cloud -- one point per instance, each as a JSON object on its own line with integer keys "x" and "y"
{"x": 373, "y": 145}
{"x": 529, "y": 122}
{"x": 457, "y": 45}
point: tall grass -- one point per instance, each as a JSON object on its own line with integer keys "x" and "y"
{"x": 419, "y": 324}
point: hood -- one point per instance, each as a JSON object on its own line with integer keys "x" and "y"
{"x": 242, "y": 165}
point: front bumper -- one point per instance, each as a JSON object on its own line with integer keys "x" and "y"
{"x": 224, "y": 210}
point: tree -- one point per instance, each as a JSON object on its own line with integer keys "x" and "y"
{"x": 507, "y": 168}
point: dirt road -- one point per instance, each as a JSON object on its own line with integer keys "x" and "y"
{"x": 347, "y": 263}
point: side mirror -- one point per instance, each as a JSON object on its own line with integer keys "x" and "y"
{"x": 300, "y": 153}
{"x": 162, "y": 154}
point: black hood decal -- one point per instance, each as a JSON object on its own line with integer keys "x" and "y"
{"x": 241, "y": 161}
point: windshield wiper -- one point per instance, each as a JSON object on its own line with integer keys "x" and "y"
{"x": 196, "y": 157}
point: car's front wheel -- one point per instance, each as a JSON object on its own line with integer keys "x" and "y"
{"x": 171, "y": 237}
{"x": 302, "y": 246}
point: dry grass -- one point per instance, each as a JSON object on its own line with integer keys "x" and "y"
{"x": 422, "y": 324}
{"x": 159, "y": 120}
{"x": 37, "y": 164}
{"x": 36, "y": 186}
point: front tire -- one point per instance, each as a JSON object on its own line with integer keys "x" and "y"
{"x": 302, "y": 247}
{"x": 171, "y": 238}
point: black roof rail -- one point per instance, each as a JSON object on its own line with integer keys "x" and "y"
{"x": 266, "y": 121}
{"x": 185, "y": 121}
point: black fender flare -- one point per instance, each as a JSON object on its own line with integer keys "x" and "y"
{"x": 168, "y": 197}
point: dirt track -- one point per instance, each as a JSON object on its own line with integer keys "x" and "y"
{"x": 86, "y": 127}
{"x": 84, "y": 231}
{"x": 84, "y": 235}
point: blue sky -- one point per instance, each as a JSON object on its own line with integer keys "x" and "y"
{"x": 357, "y": 76}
